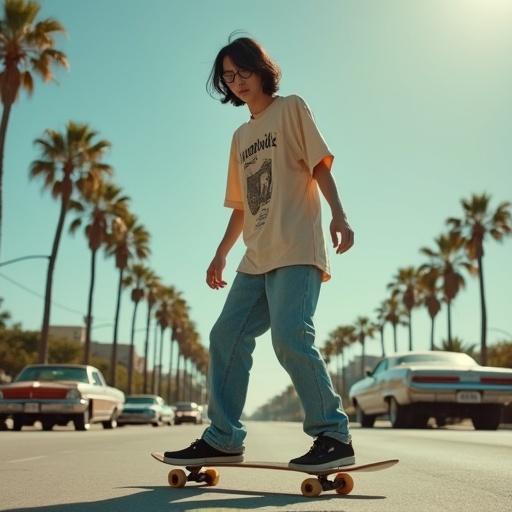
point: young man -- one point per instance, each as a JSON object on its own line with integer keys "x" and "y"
{"x": 278, "y": 160}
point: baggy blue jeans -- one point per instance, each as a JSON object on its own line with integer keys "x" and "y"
{"x": 283, "y": 300}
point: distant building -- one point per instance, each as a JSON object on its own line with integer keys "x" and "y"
{"x": 69, "y": 332}
{"x": 104, "y": 350}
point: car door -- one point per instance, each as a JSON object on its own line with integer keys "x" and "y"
{"x": 377, "y": 404}
{"x": 374, "y": 391}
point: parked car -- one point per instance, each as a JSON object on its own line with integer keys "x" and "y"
{"x": 188, "y": 412}
{"x": 56, "y": 394}
{"x": 412, "y": 387}
{"x": 140, "y": 409}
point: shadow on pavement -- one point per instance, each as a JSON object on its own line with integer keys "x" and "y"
{"x": 165, "y": 498}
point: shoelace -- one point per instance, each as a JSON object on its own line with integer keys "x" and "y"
{"x": 319, "y": 446}
{"x": 195, "y": 444}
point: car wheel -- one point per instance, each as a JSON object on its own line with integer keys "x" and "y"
{"x": 397, "y": 414}
{"x": 47, "y": 424}
{"x": 112, "y": 422}
{"x": 487, "y": 417}
{"x": 440, "y": 421}
{"x": 82, "y": 421}
{"x": 17, "y": 423}
{"x": 365, "y": 420}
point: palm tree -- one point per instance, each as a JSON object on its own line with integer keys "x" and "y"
{"x": 342, "y": 337}
{"x": 380, "y": 324}
{"x": 404, "y": 284}
{"x": 137, "y": 276}
{"x": 164, "y": 318}
{"x": 363, "y": 329}
{"x": 26, "y": 47}
{"x": 449, "y": 261}
{"x": 152, "y": 285}
{"x": 128, "y": 239}
{"x": 101, "y": 207}
{"x": 179, "y": 316}
{"x": 428, "y": 292}
{"x": 77, "y": 159}
{"x": 479, "y": 222}
{"x": 395, "y": 314}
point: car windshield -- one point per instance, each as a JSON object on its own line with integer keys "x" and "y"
{"x": 437, "y": 358}
{"x": 186, "y": 407}
{"x": 53, "y": 373}
{"x": 140, "y": 400}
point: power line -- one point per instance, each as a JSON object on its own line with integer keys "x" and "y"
{"x": 32, "y": 292}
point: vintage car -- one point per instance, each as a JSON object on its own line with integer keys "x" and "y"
{"x": 55, "y": 394}
{"x": 188, "y": 412}
{"x": 413, "y": 387}
{"x": 146, "y": 409}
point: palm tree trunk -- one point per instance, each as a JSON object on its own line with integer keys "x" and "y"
{"x": 3, "y": 131}
{"x": 155, "y": 353}
{"x": 113, "y": 359}
{"x": 483, "y": 339}
{"x": 410, "y": 330}
{"x": 178, "y": 388}
{"x": 382, "y": 341}
{"x": 146, "y": 349}
{"x": 159, "y": 381}
{"x": 343, "y": 388}
{"x": 395, "y": 344}
{"x": 449, "y": 316}
{"x": 432, "y": 346}
{"x": 43, "y": 347}
{"x": 362, "y": 357}
{"x": 170, "y": 374}
{"x": 88, "y": 320}
{"x": 132, "y": 346}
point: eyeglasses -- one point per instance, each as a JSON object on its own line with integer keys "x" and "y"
{"x": 229, "y": 76}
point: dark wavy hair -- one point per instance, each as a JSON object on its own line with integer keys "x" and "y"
{"x": 248, "y": 54}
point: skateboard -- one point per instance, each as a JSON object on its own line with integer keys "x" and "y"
{"x": 342, "y": 482}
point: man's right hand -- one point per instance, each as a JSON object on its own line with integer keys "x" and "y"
{"x": 214, "y": 272}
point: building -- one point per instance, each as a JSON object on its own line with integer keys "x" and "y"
{"x": 68, "y": 332}
{"x": 104, "y": 350}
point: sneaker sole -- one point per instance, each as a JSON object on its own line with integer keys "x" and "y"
{"x": 204, "y": 461}
{"x": 347, "y": 461}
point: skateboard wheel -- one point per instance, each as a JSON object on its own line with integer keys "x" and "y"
{"x": 311, "y": 487}
{"x": 347, "y": 483}
{"x": 212, "y": 477}
{"x": 177, "y": 478}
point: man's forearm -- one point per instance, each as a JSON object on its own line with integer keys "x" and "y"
{"x": 235, "y": 227}
{"x": 327, "y": 185}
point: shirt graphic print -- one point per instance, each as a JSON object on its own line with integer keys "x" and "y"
{"x": 258, "y": 173}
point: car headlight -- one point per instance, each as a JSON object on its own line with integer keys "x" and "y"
{"x": 73, "y": 394}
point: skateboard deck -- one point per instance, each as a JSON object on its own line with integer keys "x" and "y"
{"x": 343, "y": 483}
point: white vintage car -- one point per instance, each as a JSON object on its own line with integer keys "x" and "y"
{"x": 412, "y": 387}
{"x": 55, "y": 394}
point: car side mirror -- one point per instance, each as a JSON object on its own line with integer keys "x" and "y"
{"x": 368, "y": 372}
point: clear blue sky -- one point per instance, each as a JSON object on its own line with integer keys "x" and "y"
{"x": 414, "y": 99}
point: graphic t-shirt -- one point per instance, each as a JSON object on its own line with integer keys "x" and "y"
{"x": 270, "y": 178}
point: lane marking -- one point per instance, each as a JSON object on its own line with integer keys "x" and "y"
{"x": 27, "y": 459}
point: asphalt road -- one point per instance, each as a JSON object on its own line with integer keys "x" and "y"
{"x": 449, "y": 469}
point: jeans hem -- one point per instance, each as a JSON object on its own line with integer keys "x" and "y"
{"x": 221, "y": 448}
{"x": 344, "y": 438}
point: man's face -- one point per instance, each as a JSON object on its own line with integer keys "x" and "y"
{"x": 247, "y": 89}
